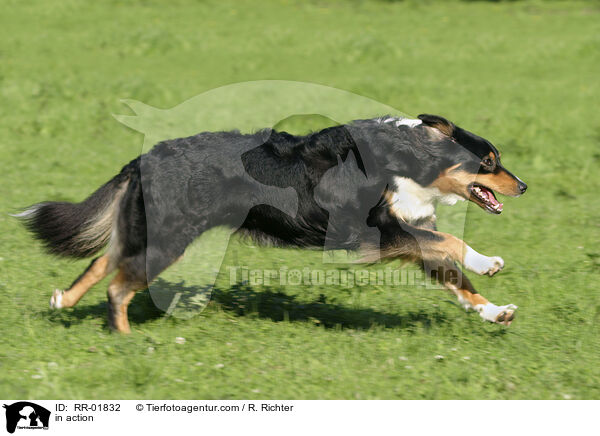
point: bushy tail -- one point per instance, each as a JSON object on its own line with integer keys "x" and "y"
{"x": 78, "y": 229}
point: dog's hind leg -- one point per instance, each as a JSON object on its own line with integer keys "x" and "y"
{"x": 96, "y": 271}
{"x": 133, "y": 276}
{"x": 121, "y": 290}
{"x": 452, "y": 278}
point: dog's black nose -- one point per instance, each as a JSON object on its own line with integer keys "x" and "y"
{"x": 522, "y": 187}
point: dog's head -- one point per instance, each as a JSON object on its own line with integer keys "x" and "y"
{"x": 473, "y": 169}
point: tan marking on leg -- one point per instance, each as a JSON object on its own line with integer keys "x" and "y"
{"x": 449, "y": 247}
{"x": 469, "y": 298}
{"x": 96, "y": 272}
{"x": 446, "y": 247}
{"x": 454, "y": 280}
{"x": 467, "y": 295}
{"x": 121, "y": 291}
{"x": 120, "y": 294}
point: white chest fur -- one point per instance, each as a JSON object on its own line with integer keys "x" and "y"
{"x": 411, "y": 201}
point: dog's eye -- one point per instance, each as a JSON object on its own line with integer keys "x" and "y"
{"x": 488, "y": 162}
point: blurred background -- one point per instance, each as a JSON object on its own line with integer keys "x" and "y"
{"x": 522, "y": 74}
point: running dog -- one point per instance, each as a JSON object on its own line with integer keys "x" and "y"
{"x": 384, "y": 203}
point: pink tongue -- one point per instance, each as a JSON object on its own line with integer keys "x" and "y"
{"x": 491, "y": 198}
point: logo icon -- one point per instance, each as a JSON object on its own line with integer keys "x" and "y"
{"x": 26, "y": 415}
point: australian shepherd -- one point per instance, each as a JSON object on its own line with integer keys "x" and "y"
{"x": 369, "y": 185}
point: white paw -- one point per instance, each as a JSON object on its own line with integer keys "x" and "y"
{"x": 498, "y": 314}
{"x": 480, "y": 264}
{"x": 56, "y": 299}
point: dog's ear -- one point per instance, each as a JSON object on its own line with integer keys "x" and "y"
{"x": 440, "y": 123}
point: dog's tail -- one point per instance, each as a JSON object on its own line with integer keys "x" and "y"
{"x": 79, "y": 229}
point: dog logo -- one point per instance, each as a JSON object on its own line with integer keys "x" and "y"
{"x": 26, "y": 415}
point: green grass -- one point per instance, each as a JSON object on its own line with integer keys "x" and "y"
{"x": 524, "y": 75}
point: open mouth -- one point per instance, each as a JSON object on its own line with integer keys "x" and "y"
{"x": 485, "y": 198}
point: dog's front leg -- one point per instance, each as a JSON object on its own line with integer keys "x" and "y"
{"x": 405, "y": 240}
{"x": 438, "y": 253}
{"x": 462, "y": 253}
{"x": 480, "y": 264}
{"x": 448, "y": 274}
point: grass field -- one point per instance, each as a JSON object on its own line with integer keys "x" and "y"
{"x": 524, "y": 75}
